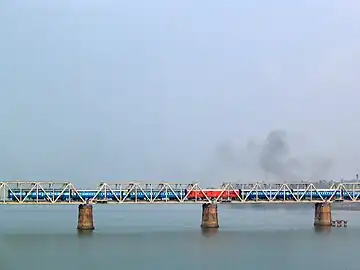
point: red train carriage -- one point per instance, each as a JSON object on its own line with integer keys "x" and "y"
{"x": 213, "y": 194}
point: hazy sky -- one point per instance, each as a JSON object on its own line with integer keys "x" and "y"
{"x": 151, "y": 90}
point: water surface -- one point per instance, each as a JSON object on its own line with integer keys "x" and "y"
{"x": 169, "y": 237}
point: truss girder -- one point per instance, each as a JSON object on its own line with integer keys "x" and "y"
{"x": 22, "y": 192}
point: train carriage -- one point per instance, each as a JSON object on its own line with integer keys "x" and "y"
{"x": 212, "y": 194}
{"x": 79, "y": 195}
{"x": 41, "y": 195}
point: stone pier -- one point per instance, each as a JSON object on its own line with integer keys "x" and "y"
{"x": 85, "y": 218}
{"x": 322, "y": 214}
{"x": 209, "y": 216}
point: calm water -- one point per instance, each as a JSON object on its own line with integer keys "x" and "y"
{"x": 169, "y": 237}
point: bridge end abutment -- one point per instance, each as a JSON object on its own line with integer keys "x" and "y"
{"x": 322, "y": 214}
{"x": 209, "y": 216}
{"x": 85, "y": 217}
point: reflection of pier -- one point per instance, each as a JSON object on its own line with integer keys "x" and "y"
{"x": 209, "y": 232}
{"x": 323, "y": 229}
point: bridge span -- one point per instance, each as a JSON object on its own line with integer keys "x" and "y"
{"x": 65, "y": 193}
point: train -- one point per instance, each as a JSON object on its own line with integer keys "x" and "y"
{"x": 188, "y": 195}
{"x": 264, "y": 195}
{"x": 79, "y": 195}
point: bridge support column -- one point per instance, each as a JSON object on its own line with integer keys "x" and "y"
{"x": 209, "y": 216}
{"x": 85, "y": 218}
{"x": 322, "y": 214}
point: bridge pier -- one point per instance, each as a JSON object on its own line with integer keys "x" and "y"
{"x": 209, "y": 216}
{"x": 322, "y": 214}
{"x": 85, "y": 217}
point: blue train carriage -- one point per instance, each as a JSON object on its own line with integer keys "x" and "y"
{"x": 292, "y": 195}
{"x": 80, "y": 195}
{"x": 327, "y": 194}
{"x": 16, "y": 194}
{"x": 157, "y": 195}
{"x": 114, "y": 195}
{"x": 33, "y": 195}
{"x": 128, "y": 195}
{"x": 59, "y": 195}
{"x": 267, "y": 194}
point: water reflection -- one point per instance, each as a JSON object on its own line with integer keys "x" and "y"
{"x": 322, "y": 229}
{"x": 209, "y": 232}
{"x": 85, "y": 233}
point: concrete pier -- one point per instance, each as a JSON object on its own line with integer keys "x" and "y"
{"x": 209, "y": 216}
{"x": 85, "y": 218}
{"x": 322, "y": 214}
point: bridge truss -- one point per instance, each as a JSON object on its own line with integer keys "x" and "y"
{"x": 23, "y": 192}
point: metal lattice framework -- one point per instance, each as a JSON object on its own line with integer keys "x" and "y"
{"x": 23, "y": 192}
{"x": 294, "y": 192}
{"x": 151, "y": 192}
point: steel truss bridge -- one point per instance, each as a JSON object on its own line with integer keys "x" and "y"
{"x": 25, "y": 193}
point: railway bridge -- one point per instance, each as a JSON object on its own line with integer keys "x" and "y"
{"x": 65, "y": 193}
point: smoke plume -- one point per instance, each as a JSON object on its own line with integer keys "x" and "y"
{"x": 270, "y": 160}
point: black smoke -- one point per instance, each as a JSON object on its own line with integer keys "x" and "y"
{"x": 270, "y": 160}
{"x": 275, "y": 157}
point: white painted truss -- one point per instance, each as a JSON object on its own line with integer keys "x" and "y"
{"x": 22, "y": 192}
